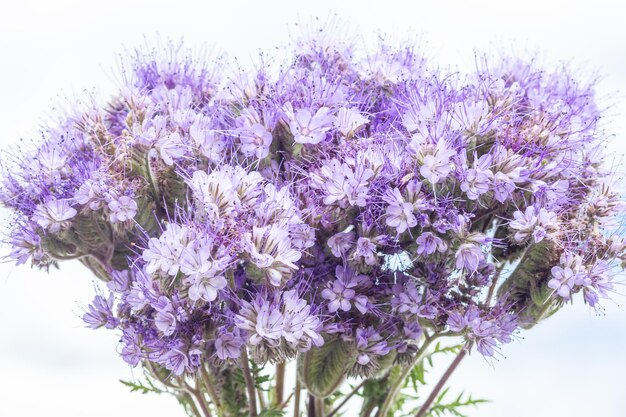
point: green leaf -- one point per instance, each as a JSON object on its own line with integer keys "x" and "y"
{"x": 141, "y": 388}
{"x": 455, "y": 408}
{"x": 259, "y": 379}
{"x": 419, "y": 371}
{"x": 322, "y": 369}
{"x": 374, "y": 393}
{"x": 272, "y": 412}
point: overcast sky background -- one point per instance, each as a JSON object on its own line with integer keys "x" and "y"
{"x": 572, "y": 365}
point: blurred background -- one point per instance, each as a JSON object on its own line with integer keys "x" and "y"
{"x": 572, "y": 365}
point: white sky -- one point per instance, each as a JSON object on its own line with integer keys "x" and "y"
{"x": 572, "y": 365}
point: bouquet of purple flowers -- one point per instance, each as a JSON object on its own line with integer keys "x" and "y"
{"x": 266, "y": 235}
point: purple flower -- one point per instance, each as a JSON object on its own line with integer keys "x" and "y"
{"x": 308, "y": 128}
{"x": 340, "y": 243}
{"x": 349, "y": 121}
{"x": 366, "y": 250}
{"x": 411, "y": 303}
{"x": 598, "y": 282}
{"x": 100, "y": 313}
{"x": 468, "y": 256}
{"x": 270, "y": 250}
{"x": 26, "y": 244}
{"x": 165, "y": 320}
{"x": 228, "y": 344}
{"x": 122, "y": 209}
{"x": 343, "y": 184}
{"x": 262, "y": 321}
{"x": 164, "y": 254}
{"x": 54, "y": 215}
{"x": 53, "y": 163}
{"x": 484, "y": 331}
{"x": 301, "y": 328}
{"x": 537, "y": 222}
{"x": 428, "y": 243}
{"x": 478, "y": 179}
{"x": 503, "y": 186}
{"x": 369, "y": 345}
{"x": 341, "y": 293}
{"x": 90, "y": 194}
{"x": 399, "y": 212}
{"x": 207, "y": 140}
{"x": 175, "y": 360}
{"x": 438, "y": 164}
{"x": 255, "y": 140}
{"x": 203, "y": 269}
{"x": 563, "y": 281}
{"x": 567, "y": 275}
{"x": 171, "y": 148}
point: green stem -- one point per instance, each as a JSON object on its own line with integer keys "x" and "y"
{"x": 397, "y": 384}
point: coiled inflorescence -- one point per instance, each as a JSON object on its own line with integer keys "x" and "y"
{"x": 343, "y": 197}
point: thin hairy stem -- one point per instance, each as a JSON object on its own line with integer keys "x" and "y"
{"x": 494, "y": 283}
{"x": 197, "y": 394}
{"x": 442, "y": 381}
{"x": 202, "y": 403}
{"x": 284, "y": 403}
{"x": 190, "y": 400}
{"x": 320, "y": 407}
{"x": 347, "y": 398}
{"x": 261, "y": 397}
{"x": 163, "y": 381}
{"x": 397, "y": 384}
{"x": 247, "y": 375}
{"x": 296, "y": 398}
{"x": 280, "y": 382}
{"x": 208, "y": 384}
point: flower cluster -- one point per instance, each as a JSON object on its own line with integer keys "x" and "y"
{"x": 348, "y": 195}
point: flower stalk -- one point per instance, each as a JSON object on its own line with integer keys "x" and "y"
{"x": 442, "y": 382}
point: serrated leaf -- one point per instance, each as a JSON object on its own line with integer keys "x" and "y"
{"x": 141, "y": 388}
{"x": 272, "y": 412}
{"x": 454, "y": 407}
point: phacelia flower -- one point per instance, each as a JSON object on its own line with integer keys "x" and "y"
{"x": 54, "y": 215}
{"x": 310, "y": 128}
